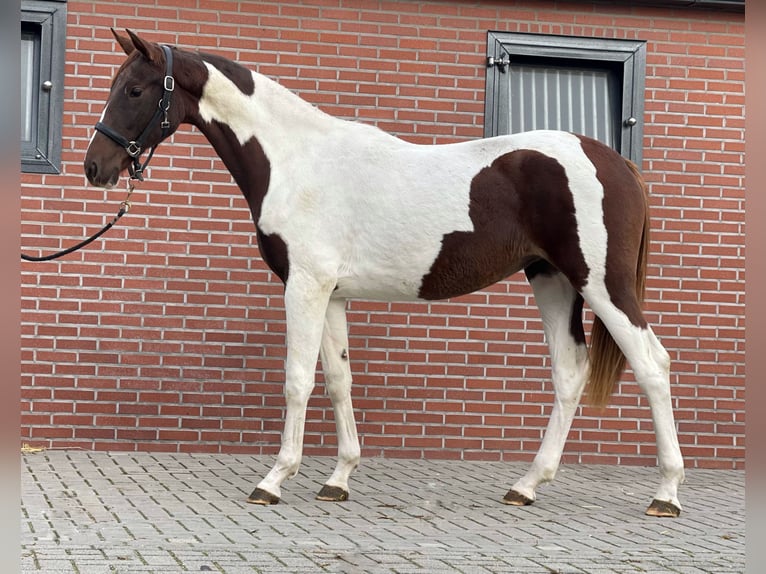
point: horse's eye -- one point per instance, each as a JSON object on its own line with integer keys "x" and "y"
{"x": 135, "y": 92}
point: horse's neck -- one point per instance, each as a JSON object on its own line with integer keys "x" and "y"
{"x": 272, "y": 114}
{"x": 252, "y": 133}
{"x": 287, "y": 109}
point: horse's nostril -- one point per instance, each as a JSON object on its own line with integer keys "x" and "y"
{"x": 91, "y": 170}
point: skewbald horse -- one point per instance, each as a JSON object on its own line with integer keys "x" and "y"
{"x": 357, "y": 212}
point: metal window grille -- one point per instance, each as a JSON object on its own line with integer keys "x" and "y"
{"x": 591, "y": 86}
{"x": 580, "y": 100}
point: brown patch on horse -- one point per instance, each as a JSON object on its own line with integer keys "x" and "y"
{"x": 238, "y": 74}
{"x": 273, "y": 251}
{"x": 624, "y": 193}
{"x": 522, "y": 210}
{"x": 575, "y": 321}
{"x": 251, "y": 170}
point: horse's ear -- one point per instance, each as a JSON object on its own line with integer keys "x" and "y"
{"x": 124, "y": 41}
{"x": 150, "y": 50}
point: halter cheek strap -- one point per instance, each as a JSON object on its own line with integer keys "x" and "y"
{"x": 135, "y": 147}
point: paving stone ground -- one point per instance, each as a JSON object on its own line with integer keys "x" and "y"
{"x": 96, "y": 512}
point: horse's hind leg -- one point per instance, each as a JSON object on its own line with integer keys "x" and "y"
{"x": 337, "y": 374}
{"x": 561, "y": 309}
{"x": 651, "y": 366}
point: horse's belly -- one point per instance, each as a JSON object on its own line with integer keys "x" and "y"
{"x": 461, "y": 266}
{"x": 383, "y": 285}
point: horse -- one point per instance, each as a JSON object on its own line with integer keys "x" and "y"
{"x": 345, "y": 210}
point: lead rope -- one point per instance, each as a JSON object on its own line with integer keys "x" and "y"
{"x": 124, "y": 208}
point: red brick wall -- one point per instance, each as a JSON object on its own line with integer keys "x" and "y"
{"x": 169, "y": 334}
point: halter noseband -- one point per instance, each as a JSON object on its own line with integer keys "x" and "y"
{"x": 135, "y": 147}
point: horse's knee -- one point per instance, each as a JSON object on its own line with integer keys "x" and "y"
{"x": 337, "y": 382}
{"x": 337, "y": 377}
{"x": 339, "y": 391}
{"x": 297, "y": 392}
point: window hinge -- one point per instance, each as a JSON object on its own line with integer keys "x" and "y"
{"x": 502, "y": 63}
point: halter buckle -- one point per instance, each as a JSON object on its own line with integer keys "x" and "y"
{"x": 169, "y": 84}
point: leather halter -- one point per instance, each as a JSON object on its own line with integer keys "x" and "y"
{"x": 135, "y": 147}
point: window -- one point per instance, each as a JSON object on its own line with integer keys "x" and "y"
{"x": 43, "y": 37}
{"x": 590, "y": 86}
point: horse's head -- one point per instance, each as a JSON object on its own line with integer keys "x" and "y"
{"x": 141, "y": 111}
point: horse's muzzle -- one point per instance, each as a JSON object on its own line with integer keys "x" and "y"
{"x": 100, "y": 177}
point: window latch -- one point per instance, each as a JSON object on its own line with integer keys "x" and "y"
{"x": 502, "y": 63}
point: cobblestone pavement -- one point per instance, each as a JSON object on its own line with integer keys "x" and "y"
{"x": 96, "y": 512}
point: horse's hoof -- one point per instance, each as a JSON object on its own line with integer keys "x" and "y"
{"x": 332, "y": 494}
{"x": 262, "y": 497}
{"x": 663, "y": 509}
{"x": 516, "y": 499}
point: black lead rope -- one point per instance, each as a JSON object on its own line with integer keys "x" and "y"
{"x": 124, "y": 208}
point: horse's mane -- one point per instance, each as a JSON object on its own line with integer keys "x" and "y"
{"x": 237, "y": 73}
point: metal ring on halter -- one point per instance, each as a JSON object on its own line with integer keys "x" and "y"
{"x": 133, "y": 149}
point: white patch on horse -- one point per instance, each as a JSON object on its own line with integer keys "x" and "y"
{"x": 101, "y": 119}
{"x": 377, "y": 240}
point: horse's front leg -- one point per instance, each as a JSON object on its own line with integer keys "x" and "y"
{"x": 337, "y": 374}
{"x": 306, "y": 301}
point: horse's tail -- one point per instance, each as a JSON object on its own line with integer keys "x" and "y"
{"x": 607, "y": 361}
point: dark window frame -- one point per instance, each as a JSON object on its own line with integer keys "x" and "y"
{"x": 46, "y": 19}
{"x": 628, "y": 56}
